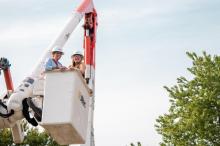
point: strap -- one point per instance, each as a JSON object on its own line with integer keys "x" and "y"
{"x": 2, "y": 104}
{"x": 5, "y": 107}
{"x": 7, "y": 115}
{"x": 25, "y": 112}
{"x": 37, "y": 111}
{"x": 56, "y": 62}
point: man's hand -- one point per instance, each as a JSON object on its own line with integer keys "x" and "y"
{"x": 63, "y": 68}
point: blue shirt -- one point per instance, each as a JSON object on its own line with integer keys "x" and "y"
{"x": 51, "y": 64}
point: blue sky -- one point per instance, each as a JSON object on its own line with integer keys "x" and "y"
{"x": 141, "y": 47}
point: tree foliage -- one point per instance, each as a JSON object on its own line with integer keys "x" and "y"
{"x": 194, "y": 114}
{"x": 138, "y": 144}
{"x": 33, "y": 137}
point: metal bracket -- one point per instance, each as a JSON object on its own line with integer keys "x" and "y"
{"x": 4, "y": 64}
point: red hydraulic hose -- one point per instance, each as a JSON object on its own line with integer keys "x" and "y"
{"x": 8, "y": 79}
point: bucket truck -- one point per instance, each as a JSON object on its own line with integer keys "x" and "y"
{"x": 61, "y": 102}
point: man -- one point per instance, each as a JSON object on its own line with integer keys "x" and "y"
{"x": 53, "y": 63}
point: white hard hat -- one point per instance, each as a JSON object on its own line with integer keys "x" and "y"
{"x": 77, "y": 53}
{"x": 57, "y": 49}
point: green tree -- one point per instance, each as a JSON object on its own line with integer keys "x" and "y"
{"x": 5, "y": 137}
{"x": 194, "y": 114}
{"x": 138, "y": 144}
{"x": 33, "y": 137}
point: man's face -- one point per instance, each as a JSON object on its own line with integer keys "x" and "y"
{"x": 57, "y": 55}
